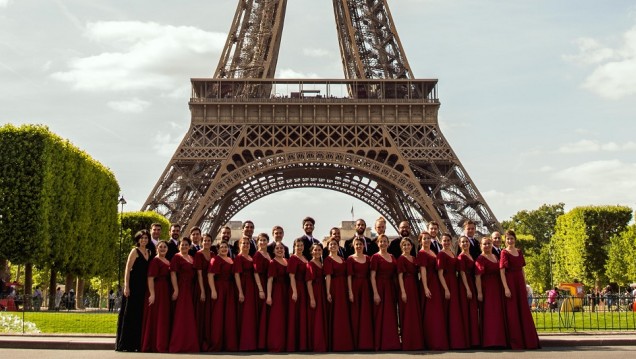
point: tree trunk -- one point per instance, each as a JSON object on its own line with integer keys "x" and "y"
{"x": 28, "y": 286}
{"x": 80, "y": 293}
{"x": 52, "y": 288}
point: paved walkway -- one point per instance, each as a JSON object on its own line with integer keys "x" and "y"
{"x": 557, "y": 340}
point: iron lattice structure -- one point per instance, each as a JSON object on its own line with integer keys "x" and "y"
{"x": 374, "y": 135}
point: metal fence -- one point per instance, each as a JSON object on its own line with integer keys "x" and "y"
{"x": 566, "y": 314}
{"x": 588, "y": 313}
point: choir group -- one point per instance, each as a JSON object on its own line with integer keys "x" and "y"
{"x": 365, "y": 295}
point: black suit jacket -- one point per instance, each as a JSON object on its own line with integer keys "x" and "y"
{"x": 396, "y": 251}
{"x": 496, "y": 251}
{"x": 436, "y": 246}
{"x": 270, "y": 249}
{"x": 370, "y": 249}
{"x": 194, "y": 249}
{"x": 152, "y": 249}
{"x": 173, "y": 249}
{"x": 475, "y": 250}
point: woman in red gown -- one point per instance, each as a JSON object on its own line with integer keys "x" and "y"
{"x": 297, "y": 325}
{"x": 409, "y": 304}
{"x": 224, "y": 336}
{"x": 447, "y": 273}
{"x": 247, "y": 296}
{"x": 521, "y": 330}
{"x": 156, "y": 330}
{"x": 261, "y": 262}
{"x": 335, "y": 270}
{"x": 277, "y": 300}
{"x": 317, "y": 301}
{"x": 490, "y": 297}
{"x": 434, "y": 322}
{"x": 202, "y": 302}
{"x": 468, "y": 293}
{"x": 383, "y": 273}
{"x": 183, "y": 336}
{"x": 358, "y": 268}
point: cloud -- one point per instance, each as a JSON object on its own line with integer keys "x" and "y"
{"x": 165, "y": 144}
{"x": 131, "y": 106}
{"x": 614, "y": 75}
{"x": 588, "y": 146}
{"x": 5, "y": 3}
{"x": 145, "y": 55}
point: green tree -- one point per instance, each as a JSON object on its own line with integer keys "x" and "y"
{"x": 580, "y": 242}
{"x": 621, "y": 251}
{"x": 535, "y": 229}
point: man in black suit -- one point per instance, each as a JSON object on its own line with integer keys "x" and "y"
{"x": 370, "y": 247}
{"x": 173, "y": 243}
{"x": 195, "y": 237}
{"x": 469, "y": 231}
{"x": 248, "y": 231}
{"x": 155, "y": 237}
{"x": 394, "y": 246}
{"x": 307, "y": 238}
{"x": 226, "y": 236}
{"x": 496, "y": 243}
{"x": 433, "y": 230}
{"x": 277, "y": 233}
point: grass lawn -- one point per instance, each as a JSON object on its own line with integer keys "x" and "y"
{"x": 69, "y": 322}
{"x": 584, "y": 321}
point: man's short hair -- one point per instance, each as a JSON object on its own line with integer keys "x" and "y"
{"x": 195, "y": 228}
{"x": 309, "y": 219}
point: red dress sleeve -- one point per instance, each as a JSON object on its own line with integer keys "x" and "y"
{"x": 292, "y": 264}
{"x": 309, "y": 274}
{"x": 441, "y": 260}
{"x": 480, "y": 265}
{"x": 215, "y": 265}
{"x": 271, "y": 268}
{"x": 350, "y": 264}
{"x": 401, "y": 265}
{"x": 522, "y": 260}
{"x": 461, "y": 263}
{"x": 328, "y": 266}
{"x": 237, "y": 266}
{"x": 175, "y": 263}
{"x": 375, "y": 262}
{"x": 504, "y": 260}
{"x": 153, "y": 268}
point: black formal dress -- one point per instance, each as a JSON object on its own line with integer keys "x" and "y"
{"x": 130, "y": 320}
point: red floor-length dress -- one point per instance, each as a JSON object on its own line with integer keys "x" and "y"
{"x": 297, "y": 324}
{"x": 247, "y": 316}
{"x": 202, "y": 309}
{"x": 385, "y": 314}
{"x": 452, "y": 308}
{"x": 277, "y": 325}
{"x": 469, "y": 307}
{"x": 317, "y": 316}
{"x": 156, "y": 330}
{"x": 183, "y": 338}
{"x": 224, "y": 336}
{"x": 492, "y": 312}
{"x": 521, "y": 330}
{"x": 362, "y": 306}
{"x": 411, "y": 311}
{"x": 340, "y": 335}
{"x": 434, "y": 322}
{"x": 260, "y": 268}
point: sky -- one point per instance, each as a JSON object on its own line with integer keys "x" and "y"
{"x": 538, "y": 97}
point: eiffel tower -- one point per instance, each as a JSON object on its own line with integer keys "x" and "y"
{"x": 373, "y": 135}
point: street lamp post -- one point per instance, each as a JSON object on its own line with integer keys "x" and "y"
{"x": 122, "y": 202}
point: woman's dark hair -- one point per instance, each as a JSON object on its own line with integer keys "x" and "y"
{"x": 138, "y": 235}
{"x": 186, "y": 239}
